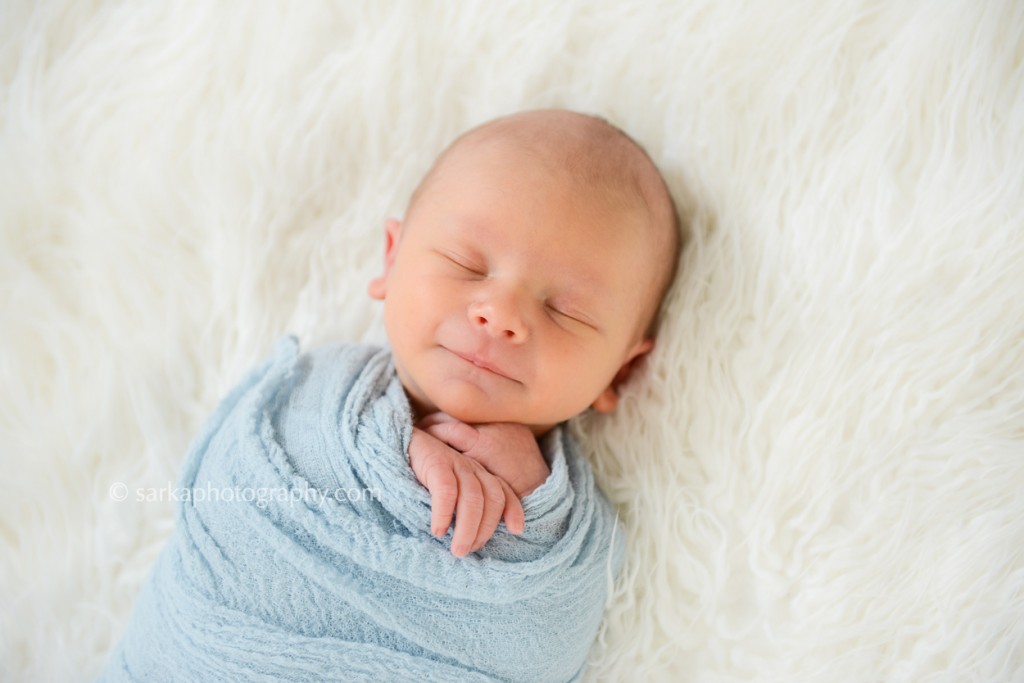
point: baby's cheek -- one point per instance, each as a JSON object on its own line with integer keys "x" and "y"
{"x": 592, "y": 375}
{"x": 431, "y": 298}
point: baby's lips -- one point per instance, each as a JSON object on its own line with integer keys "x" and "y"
{"x": 482, "y": 361}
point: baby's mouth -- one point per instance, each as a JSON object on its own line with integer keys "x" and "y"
{"x": 482, "y": 363}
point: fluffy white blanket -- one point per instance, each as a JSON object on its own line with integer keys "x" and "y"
{"x": 821, "y": 468}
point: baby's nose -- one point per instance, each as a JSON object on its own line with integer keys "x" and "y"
{"x": 498, "y": 317}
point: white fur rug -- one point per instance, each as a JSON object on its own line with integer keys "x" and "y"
{"x": 822, "y": 467}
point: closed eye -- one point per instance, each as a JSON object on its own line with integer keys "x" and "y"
{"x": 570, "y": 316}
{"x": 461, "y": 262}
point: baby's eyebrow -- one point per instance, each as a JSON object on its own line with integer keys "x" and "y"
{"x": 589, "y": 289}
{"x": 473, "y": 225}
{"x": 583, "y": 289}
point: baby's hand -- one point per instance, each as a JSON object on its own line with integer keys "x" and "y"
{"x": 459, "y": 484}
{"x": 506, "y": 449}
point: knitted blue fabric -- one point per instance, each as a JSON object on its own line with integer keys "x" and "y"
{"x": 302, "y": 549}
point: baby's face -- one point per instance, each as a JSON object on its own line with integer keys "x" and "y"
{"x": 509, "y": 296}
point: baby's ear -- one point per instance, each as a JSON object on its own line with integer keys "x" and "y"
{"x": 378, "y": 285}
{"x": 609, "y": 398}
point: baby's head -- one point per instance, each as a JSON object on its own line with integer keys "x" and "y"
{"x": 526, "y": 277}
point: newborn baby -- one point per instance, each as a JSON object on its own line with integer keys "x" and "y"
{"x": 519, "y": 290}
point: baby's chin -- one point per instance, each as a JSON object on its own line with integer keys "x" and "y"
{"x": 468, "y": 411}
{"x": 472, "y": 408}
{"x": 477, "y": 413}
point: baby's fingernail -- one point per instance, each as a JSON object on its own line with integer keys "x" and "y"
{"x": 459, "y": 550}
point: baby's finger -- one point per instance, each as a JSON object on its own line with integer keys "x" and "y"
{"x": 459, "y": 435}
{"x": 468, "y": 511}
{"x": 515, "y": 518}
{"x": 494, "y": 505}
{"x": 444, "y": 492}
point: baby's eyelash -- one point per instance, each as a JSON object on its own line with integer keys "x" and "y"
{"x": 476, "y": 270}
{"x": 470, "y": 269}
{"x": 570, "y": 316}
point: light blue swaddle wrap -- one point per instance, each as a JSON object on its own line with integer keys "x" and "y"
{"x": 303, "y": 550}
